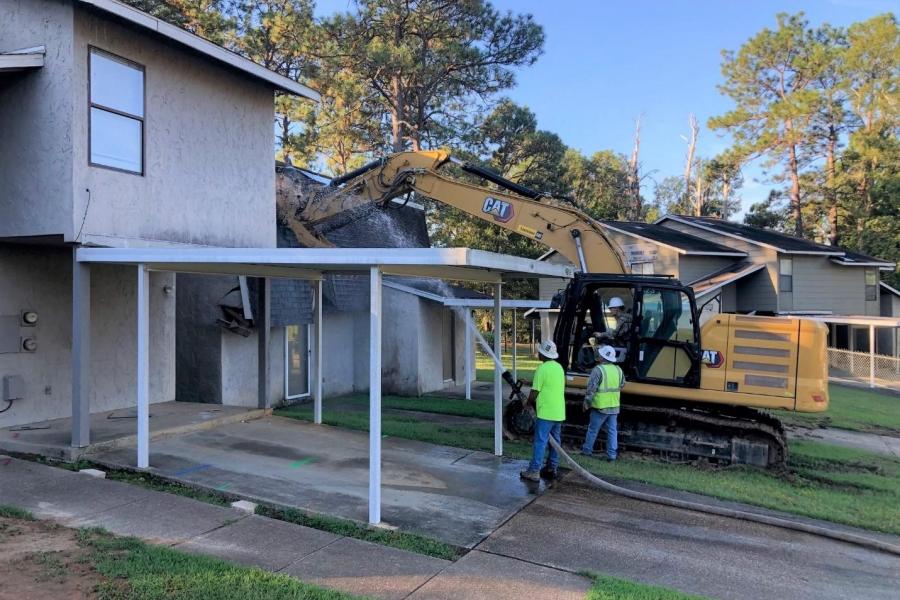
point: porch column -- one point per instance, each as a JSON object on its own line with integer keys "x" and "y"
{"x": 263, "y": 320}
{"x": 143, "y": 367}
{"x": 375, "y": 396}
{"x": 498, "y": 380}
{"x": 515, "y": 371}
{"x": 81, "y": 353}
{"x": 871, "y": 356}
{"x": 317, "y": 401}
{"x": 469, "y": 352}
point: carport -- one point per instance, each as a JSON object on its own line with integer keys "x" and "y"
{"x": 265, "y": 263}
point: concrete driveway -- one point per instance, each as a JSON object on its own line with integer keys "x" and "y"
{"x": 573, "y": 527}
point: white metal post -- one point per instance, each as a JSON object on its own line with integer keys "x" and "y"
{"x": 871, "y": 356}
{"x": 498, "y": 380}
{"x": 515, "y": 371}
{"x": 317, "y": 402}
{"x": 81, "y": 354}
{"x": 375, "y": 397}
{"x": 469, "y": 352}
{"x": 143, "y": 367}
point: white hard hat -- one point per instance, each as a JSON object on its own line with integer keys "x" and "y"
{"x": 548, "y": 349}
{"x": 616, "y": 302}
{"x": 607, "y": 352}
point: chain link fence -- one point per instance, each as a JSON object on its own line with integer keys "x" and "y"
{"x": 857, "y": 366}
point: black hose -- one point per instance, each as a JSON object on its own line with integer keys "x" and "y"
{"x": 841, "y": 536}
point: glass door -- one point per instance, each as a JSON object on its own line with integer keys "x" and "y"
{"x": 296, "y": 362}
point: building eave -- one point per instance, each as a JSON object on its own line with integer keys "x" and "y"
{"x": 202, "y": 46}
{"x": 745, "y": 239}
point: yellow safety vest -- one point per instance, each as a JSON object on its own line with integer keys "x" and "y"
{"x": 607, "y": 395}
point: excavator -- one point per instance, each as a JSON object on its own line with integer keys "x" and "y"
{"x": 694, "y": 391}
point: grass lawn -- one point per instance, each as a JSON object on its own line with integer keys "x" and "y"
{"x": 93, "y": 563}
{"x": 852, "y": 408}
{"x": 525, "y": 366}
{"x": 825, "y": 482}
{"x": 613, "y": 588}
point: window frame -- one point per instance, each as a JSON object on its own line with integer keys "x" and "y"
{"x": 871, "y": 287}
{"x": 789, "y": 277}
{"x": 92, "y": 105}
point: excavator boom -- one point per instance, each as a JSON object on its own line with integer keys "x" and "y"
{"x": 549, "y": 221}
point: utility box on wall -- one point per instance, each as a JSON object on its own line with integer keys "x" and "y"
{"x": 13, "y": 387}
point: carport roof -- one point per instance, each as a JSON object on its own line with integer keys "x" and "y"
{"x": 462, "y": 264}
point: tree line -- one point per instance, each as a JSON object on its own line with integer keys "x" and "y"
{"x": 818, "y": 105}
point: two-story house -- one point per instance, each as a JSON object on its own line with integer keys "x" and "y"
{"x": 116, "y": 129}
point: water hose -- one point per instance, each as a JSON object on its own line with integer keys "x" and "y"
{"x": 841, "y": 536}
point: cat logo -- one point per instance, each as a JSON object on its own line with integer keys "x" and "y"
{"x": 501, "y": 210}
{"x": 712, "y": 358}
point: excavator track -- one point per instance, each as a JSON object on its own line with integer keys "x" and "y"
{"x": 684, "y": 432}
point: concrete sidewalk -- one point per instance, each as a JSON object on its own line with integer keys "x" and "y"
{"x": 346, "y": 564}
{"x": 870, "y": 442}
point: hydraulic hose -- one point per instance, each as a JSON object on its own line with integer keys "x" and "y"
{"x": 841, "y": 536}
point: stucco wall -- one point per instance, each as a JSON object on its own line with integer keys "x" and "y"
{"x": 208, "y": 139}
{"x": 36, "y": 121}
{"x": 240, "y": 368}
{"x": 403, "y": 343}
{"x": 40, "y": 279}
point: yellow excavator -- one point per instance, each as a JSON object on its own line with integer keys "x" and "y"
{"x": 693, "y": 391}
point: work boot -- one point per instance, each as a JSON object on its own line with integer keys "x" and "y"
{"x": 530, "y": 475}
{"x": 549, "y": 474}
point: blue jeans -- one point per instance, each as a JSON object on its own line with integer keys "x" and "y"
{"x": 612, "y": 433}
{"x": 543, "y": 429}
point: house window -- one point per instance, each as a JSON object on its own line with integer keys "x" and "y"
{"x": 644, "y": 268}
{"x": 871, "y": 285}
{"x": 786, "y": 274}
{"x": 116, "y": 113}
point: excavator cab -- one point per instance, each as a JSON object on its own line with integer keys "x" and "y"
{"x": 656, "y": 336}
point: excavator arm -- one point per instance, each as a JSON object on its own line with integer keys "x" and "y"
{"x": 551, "y": 222}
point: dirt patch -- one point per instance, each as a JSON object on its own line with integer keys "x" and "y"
{"x": 41, "y": 560}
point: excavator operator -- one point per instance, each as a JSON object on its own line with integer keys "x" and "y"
{"x": 622, "y": 333}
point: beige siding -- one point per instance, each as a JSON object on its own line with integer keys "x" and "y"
{"x": 666, "y": 260}
{"x": 754, "y": 292}
{"x": 819, "y": 284}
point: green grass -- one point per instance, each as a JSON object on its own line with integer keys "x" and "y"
{"x": 12, "y": 512}
{"x": 139, "y": 571}
{"x": 852, "y": 408}
{"x": 613, "y": 588}
{"x": 394, "y": 538}
{"x": 525, "y": 366}
{"x": 824, "y": 482}
{"x": 479, "y": 409}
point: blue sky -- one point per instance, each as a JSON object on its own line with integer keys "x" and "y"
{"x": 606, "y": 62}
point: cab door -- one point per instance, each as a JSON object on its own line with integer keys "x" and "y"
{"x": 665, "y": 347}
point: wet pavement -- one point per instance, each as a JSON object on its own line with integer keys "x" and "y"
{"x": 457, "y": 496}
{"x": 575, "y": 528}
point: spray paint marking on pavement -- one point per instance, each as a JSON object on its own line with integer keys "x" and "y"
{"x": 303, "y": 461}
{"x": 190, "y": 470}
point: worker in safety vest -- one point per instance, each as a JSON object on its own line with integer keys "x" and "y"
{"x": 548, "y": 396}
{"x": 602, "y": 399}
